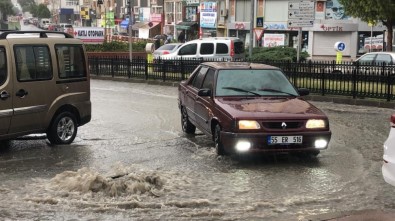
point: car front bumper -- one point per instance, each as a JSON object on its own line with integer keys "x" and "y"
{"x": 259, "y": 141}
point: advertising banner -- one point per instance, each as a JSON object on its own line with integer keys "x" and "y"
{"x": 92, "y": 35}
{"x": 208, "y": 14}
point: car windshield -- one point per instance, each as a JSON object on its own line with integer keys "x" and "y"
{"x": 167, "y": 47}
{"x": 253, "y": 83}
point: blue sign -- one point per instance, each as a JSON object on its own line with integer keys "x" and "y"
{"x": 259, "y": 22}
{"x": 340, "y": 46}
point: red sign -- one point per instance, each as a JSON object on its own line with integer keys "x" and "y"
{"x": 258, "y": 33}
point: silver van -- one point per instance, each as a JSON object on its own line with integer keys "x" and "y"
{"x": 44, "y": 85}
{"x": 222, "y": 48}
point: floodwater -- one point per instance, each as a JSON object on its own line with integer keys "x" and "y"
{"x": 132, "y": 162}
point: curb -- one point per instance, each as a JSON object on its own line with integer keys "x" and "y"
{"x": 312, "y": 97}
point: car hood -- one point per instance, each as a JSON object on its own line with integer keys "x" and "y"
{"x": 284, "y": 107}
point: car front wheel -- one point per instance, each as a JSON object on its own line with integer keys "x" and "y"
{"x": 219, "y": 148}
{"x": 63, "y": 129}
{"x": 187, "y": 126}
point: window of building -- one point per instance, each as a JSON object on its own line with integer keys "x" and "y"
{"x": 33, "y": 63}
{"x": 156, "y": 9}
{"x": 179, "y": 8}
{"x": 243, "y": 10}
{"x": 70, "y": 61}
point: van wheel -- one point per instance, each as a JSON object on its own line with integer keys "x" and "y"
{"x": 63, "y": 129}
{"x": 187, "y": 126}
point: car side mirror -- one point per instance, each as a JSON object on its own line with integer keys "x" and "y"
{"x": 303, "y": 91}
{"x": 204, "y": 92}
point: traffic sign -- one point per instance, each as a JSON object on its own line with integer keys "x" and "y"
{"x": 301, "y": 14}
{"x": 340, "y": 46}
{"x": 300, "y": 23}
{"x": 258, "y": 33}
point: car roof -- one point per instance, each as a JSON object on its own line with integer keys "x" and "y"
{"x": 238, "y": 65}
{"x": 215, "y": 38}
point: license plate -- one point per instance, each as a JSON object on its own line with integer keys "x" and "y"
{"x": 284, "y": 139}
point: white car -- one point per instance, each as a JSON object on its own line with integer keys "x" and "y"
{"x": 388, "y": 168}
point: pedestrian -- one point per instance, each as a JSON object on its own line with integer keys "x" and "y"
{"x": 181, "y": 37}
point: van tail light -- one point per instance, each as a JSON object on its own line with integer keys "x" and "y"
{"x": 232, "y": 49}
{"x": 166, "y": 52}
{"x": 393, "y": 120}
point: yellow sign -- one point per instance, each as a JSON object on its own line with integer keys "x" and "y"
{"x": 339, "y": 57}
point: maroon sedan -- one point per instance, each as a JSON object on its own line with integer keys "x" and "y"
{"x": 249, "y": 107}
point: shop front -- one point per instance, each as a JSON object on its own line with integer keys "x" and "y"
{"x": 323, "y": 36}
{"x": 240, "y": 30}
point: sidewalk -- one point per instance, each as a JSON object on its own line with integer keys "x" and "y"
{"x": 363, "y": 215}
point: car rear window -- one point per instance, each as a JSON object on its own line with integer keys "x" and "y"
{"x": 239, "y": 47}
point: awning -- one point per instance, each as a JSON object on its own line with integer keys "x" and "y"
{"x": 147, "y": 25}
{"x": 187, "y": 25}
{"x": 138, "y": 25}
{"x": 124, "y": 24}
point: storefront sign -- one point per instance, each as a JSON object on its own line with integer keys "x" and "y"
{"x": 156, "y": 17}
{"x": 273, "y": 40}
{"x": 192, "y": 2}
{"x": 89, "y": 34}
{"x": 208, "y": 14}
{"x": 239, "y": 25}
{"x": 336, "y": 27}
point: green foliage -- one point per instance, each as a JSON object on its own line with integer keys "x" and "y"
{"x": 116, "y": 46}
{"x": 6, "y": 8}
{"x": 40, "y": 11}
{"x": 277, "y": 54}
{"x": 373, "y": 11}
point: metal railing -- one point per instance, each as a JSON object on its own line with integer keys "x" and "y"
{"x": 321, "y": 77}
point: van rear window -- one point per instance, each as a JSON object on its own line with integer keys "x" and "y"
{"x": 222, "y": 48}
{"x": 71, "y": 61}
{"x": 239, "y": 47}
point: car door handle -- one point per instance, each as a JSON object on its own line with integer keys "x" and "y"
{"x": 21, "y": 93}
{"x": 4, "y": 95}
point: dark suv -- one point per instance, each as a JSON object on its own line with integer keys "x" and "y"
{"x": 248, "y": 107}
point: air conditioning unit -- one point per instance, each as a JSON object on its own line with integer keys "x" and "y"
{"x": 224, "y": 12}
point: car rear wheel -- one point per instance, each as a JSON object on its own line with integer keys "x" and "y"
{"x": 219, "y": 148}
{"x": 187, "y": 126}
{"x": 63, "y": 129}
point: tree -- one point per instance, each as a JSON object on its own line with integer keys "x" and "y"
{"x": 6, "y": 8}
{"x": 40, "y": 11}
{"x": 372, "y": 11}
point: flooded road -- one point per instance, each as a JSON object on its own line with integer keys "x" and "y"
{"x": 132, "y": 162}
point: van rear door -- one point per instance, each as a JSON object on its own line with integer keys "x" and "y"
{"x": 5, "y": 91}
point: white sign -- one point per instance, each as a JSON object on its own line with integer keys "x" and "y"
{"x": 300, "y": 23}
{"x": 301, "y": 14}
{"x": 89, "y": 34}
{"x": 273, "y": 40}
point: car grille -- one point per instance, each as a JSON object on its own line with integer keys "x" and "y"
{"x": 279, "y": 125}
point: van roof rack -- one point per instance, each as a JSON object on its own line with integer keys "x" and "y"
{"x": 43, "y": 34}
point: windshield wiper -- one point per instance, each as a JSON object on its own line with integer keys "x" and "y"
{"x": 277, "y": 91}
{"x": 241, "y": 90}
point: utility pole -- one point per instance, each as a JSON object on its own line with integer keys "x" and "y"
{"x": 131, "y": 17}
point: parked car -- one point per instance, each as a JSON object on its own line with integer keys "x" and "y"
{"x": 44, "y": 85}
{"x": 377, "y": 58}
{"x": 368, "y": 64}
{"x": 166, "y": 49}
{"x": 216, "y": 48}
{"x": 388, "y": 168}
{"x": 249, "y": 107}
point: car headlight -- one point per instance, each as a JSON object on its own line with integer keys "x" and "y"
{"x": 248, "y": 125}
{"x": 314, "y": 123}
